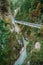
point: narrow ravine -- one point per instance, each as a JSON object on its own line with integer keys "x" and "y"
{"x": 23, "y": 53}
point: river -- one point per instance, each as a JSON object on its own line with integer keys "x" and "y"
{"x": 23, "y": 54}
{"x": 21, "y": 59}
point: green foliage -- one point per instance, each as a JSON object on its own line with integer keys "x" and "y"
{"x": 29, "y": 13}
{"x": 37, "y": 57}
{"x": 34, "y": 57}
{"x": 9, "y": 47}
{"x": 4, "y": 34}
{"x": 29, "y": 46}
{"x": 26, "y": 5}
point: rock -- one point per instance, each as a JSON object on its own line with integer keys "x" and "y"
{"x": 37, "y": 46}
{"x": 28, "y": 63}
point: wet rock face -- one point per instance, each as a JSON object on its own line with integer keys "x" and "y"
{"x": 4, "y": 8}
{"x": 42, "y": 9}
{"x": 4, "y": 5}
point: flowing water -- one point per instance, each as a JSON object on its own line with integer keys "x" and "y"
{"x": 21, "y": 58}
{"x": 23, "y": 55}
